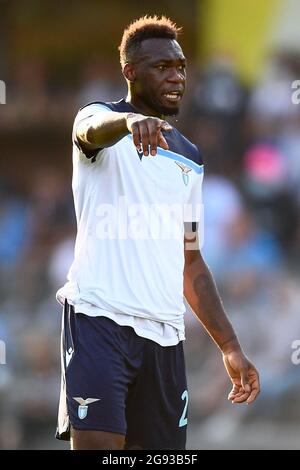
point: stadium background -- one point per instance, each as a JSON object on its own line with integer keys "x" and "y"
{"x": 243, "y": 57}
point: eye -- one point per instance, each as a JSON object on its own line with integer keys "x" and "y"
{"x": 161, "y": 67}
{"x": 182, "y": 68}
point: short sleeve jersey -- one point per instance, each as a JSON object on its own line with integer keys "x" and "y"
{"x": 131, "y": 209}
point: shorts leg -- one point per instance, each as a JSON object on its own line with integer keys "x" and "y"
{"x": 96, "y": 375}
{"x": 63, "y": 428}
{"x": 156, "y": 408}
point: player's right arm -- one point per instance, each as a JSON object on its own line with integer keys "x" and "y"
{"x": 107, "y": 128}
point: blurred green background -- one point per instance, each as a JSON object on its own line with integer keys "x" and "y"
{"x": 243, "y": 57}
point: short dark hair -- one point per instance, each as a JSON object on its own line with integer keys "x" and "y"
{"x": 147, "y": 27}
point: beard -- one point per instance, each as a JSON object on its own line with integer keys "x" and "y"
{"x": 160, "y": 108}
{"x": 168, "y": 111}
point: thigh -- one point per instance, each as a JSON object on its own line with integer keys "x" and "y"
{"x": 95, "y": 377}
{"x": 156, "y": 408}
{"x": 96, "y": 440}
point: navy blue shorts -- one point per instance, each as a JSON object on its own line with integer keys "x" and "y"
{"x": 114, "y": 380}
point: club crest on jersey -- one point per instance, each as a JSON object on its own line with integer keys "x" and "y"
{"x": 185, "y": 170}
{"x": 83, "y": 405}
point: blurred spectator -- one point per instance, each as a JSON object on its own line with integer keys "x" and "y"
{"x": 14, "y": 231}
{"x": 269, "y": 192}
{"x": 250, "y": 262}
{"x": 100, "y": 82}
{"x": 219, "y": 91}
{"x": 222, "y": 204}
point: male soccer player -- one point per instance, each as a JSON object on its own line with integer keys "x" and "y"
{"x": 137, "y": 192}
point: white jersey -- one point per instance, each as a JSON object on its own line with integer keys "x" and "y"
{"x": 130, "y": 209}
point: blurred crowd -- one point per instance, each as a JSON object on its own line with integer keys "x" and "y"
{"x": 250, "y": 140}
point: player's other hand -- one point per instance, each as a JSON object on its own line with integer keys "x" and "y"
{"x": 244, "y": 377}
{"x": 146, "y": 132}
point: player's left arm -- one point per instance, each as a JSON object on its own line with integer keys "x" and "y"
{"x": 202, "y": 295}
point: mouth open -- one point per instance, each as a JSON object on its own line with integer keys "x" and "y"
{"x": 173, "y": 96}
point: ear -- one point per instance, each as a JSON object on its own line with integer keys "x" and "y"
{"x": 129, "y": 72}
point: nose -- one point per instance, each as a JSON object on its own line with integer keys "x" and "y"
{"x": 176, "y": 76}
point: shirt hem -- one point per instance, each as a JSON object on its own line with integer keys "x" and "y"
{"x": 140, "y": 332}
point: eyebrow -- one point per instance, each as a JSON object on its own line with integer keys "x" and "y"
{"x": 160, "y": 60}
{"x": 169, "y": 61}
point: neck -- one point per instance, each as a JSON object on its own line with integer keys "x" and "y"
{"x": 140, "y": 106}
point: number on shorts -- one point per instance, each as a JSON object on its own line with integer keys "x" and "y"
{"x": 183, "y": 419}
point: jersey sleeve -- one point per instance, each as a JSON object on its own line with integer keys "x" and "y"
{"x": 84, "y": 113}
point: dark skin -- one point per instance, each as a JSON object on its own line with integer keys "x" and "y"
{"x": 156, "y": 82}
{"x": 158, "y": 69}
{"x": 202, "y": 295}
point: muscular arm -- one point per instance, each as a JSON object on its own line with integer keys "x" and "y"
{"x": 102, "y": 129}
{"x": 105, "y": 129}
{"x": 202, "y": 295}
